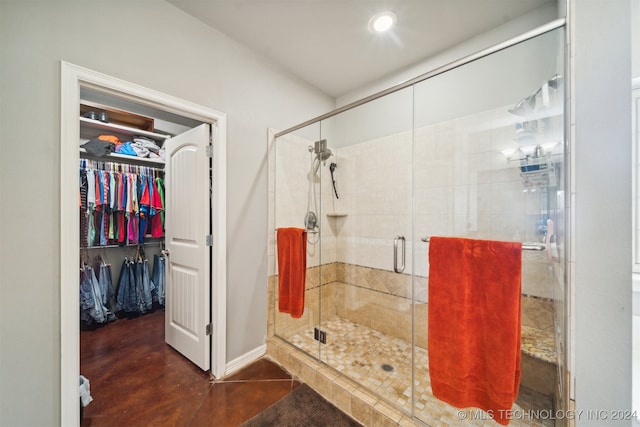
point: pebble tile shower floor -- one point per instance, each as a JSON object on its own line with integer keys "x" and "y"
{"x": 359, "y": 353}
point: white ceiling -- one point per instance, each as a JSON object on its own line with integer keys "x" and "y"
{"x": 327, "y": 43}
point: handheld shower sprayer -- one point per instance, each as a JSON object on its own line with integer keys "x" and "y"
{"x": 332, "y": 168}
{"x": 319, "y": 153}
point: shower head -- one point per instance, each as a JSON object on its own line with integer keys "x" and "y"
{"x": 321, "y": 157}
{"x": 322, "y": 151}
{"x": 322, "y": 154}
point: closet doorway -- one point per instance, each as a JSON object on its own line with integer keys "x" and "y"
{"x": 195, "y": 315}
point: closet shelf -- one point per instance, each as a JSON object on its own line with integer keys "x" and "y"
{"x": 120, "y": 129}
{"x": 116, "y": 156}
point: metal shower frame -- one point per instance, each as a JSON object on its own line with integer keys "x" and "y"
{"x": 553, "y": 25}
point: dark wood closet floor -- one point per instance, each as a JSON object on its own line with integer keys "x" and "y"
{"x": 138, "y": 380}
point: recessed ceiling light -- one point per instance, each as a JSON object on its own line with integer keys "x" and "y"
{"x": 382, "y": 22}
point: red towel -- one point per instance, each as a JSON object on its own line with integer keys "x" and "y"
{"x": 474, "y": 323}
{"x": 292, "y": 269}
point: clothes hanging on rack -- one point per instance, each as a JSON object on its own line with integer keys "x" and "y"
{"x": 95, "y": 295}
{"x": 157, "y": 221}
{"x": 158, "y": 278}
{"x": 119, "y": 203}
{"x": 91, "y": 308}
{"x": 126, "y": 288}
{"x": 144, "y": 285}
{"x": 105, "y": 282}
{"x": 137, "y": 289}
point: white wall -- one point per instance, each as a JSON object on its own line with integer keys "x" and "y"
{"x": 153, "y": 44}
{"x": 635, "y": 73}
{"x": 635, "y": 38}
{"x": 601, "y": 205}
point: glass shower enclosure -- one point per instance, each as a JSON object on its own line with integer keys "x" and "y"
{"x": 476, "y": 151}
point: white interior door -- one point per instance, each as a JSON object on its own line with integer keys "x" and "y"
{"x": 188, "y": 219}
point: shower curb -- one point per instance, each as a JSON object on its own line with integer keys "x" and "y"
{"x": 341, "y": 391}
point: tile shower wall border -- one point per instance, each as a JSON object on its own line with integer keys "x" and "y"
{"x": 535, "y": 269}
{"x": 375, "y": 279}
{"x": 382, "y": 300}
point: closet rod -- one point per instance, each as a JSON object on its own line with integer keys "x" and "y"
{"x": 125, "y": 246}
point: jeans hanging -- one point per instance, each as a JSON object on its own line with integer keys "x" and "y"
{"x": 91, "y": 308}
{"x": 106, "y": 290}
{"x": 135, "y": 287}
{"x": 138, "y": 286}
{"x": 126, "y": 299}
{"x": 144, "y": 286}
{"x": 158, "y": 278}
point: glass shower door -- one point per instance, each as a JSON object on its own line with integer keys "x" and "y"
{"x": 474, "y": 152}
{"x": 488, "y": 165}
{"x": 367, "y": 246}
{"x": 295, "y": 188}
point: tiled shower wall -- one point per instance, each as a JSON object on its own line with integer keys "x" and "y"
{"x": 289, "y": 191}
{"x": 464, "y": 186}
{"x": 381, "y": 300}
{"x": 370, "y": 297}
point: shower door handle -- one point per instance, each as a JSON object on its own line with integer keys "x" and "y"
{"x": 397, "y": 239}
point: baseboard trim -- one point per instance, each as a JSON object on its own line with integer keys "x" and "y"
{"x": 244, "y": 360}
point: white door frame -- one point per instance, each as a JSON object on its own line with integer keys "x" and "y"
{"x": 73, "y": 78}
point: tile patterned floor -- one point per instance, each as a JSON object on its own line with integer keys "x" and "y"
{"x": 360, "y": 353}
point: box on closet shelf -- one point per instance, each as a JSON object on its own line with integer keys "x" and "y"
{"x": 118, "y": 117}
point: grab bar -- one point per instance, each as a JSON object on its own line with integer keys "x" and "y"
{"x": 395, "y": 254}
{"x": 533, "y": 247}
{"x": 526, "y": 246}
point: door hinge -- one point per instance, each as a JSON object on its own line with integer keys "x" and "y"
{"x": 320, "y": 335}
{"x": 209, "y": 329}
{"x": 209, "y": 240}
{"x": 209, "y": 151}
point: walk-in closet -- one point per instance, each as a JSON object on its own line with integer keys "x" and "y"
{"x": 143, "y": 216}
{"x": 123, "y": 206}
{"x": 122, "y": 215}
